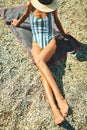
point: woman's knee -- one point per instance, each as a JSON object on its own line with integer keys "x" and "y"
{"x": 39, "y": 62}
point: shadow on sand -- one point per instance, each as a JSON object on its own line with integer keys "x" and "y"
{"x": 58, "y": 70}
{"x": 82, "y": 53}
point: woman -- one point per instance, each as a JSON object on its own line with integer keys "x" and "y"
{"x": 43, "y": 13}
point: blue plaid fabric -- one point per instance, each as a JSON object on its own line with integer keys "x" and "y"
{"x": 42, "y": 29}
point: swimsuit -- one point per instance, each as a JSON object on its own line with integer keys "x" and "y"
{"x": 42, "y": 29}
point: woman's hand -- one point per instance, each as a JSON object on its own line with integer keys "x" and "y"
{"x": 15, "y": 22}
{"x": 66, "y": 32}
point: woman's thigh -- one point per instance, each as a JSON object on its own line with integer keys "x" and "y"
{"x": 36, "y": 49}
{"x": 46, "y": 53}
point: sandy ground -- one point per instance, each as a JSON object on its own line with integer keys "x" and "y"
{"x": 23, "y": 104}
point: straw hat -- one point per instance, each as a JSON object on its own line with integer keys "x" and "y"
{"x": 45, "y": 5}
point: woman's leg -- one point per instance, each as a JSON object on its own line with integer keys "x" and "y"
{"x": 43, "y": 57}
{"x": 57, "y": 115}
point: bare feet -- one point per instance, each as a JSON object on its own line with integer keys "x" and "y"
{"x": 58, "y": 116}
{"x": 63, "y": 106}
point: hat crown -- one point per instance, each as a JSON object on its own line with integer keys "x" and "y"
{"x": 45, "y": 2}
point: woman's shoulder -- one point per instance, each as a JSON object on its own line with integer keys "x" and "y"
{"x": 28, "y": 4}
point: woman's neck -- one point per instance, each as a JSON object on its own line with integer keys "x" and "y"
{"x": 39, "y": 14}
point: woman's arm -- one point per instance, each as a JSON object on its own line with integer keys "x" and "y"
{"x": 16, "y": 22}
{"x": 58, "y": 23}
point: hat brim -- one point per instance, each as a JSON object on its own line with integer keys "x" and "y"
{"x": 45, "y": 8}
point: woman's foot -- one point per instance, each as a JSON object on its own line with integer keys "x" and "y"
{"x": 63, "y": 106}
{"x": 58, "y": 116}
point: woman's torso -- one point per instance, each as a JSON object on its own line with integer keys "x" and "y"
{"x": 42, "y": 27}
